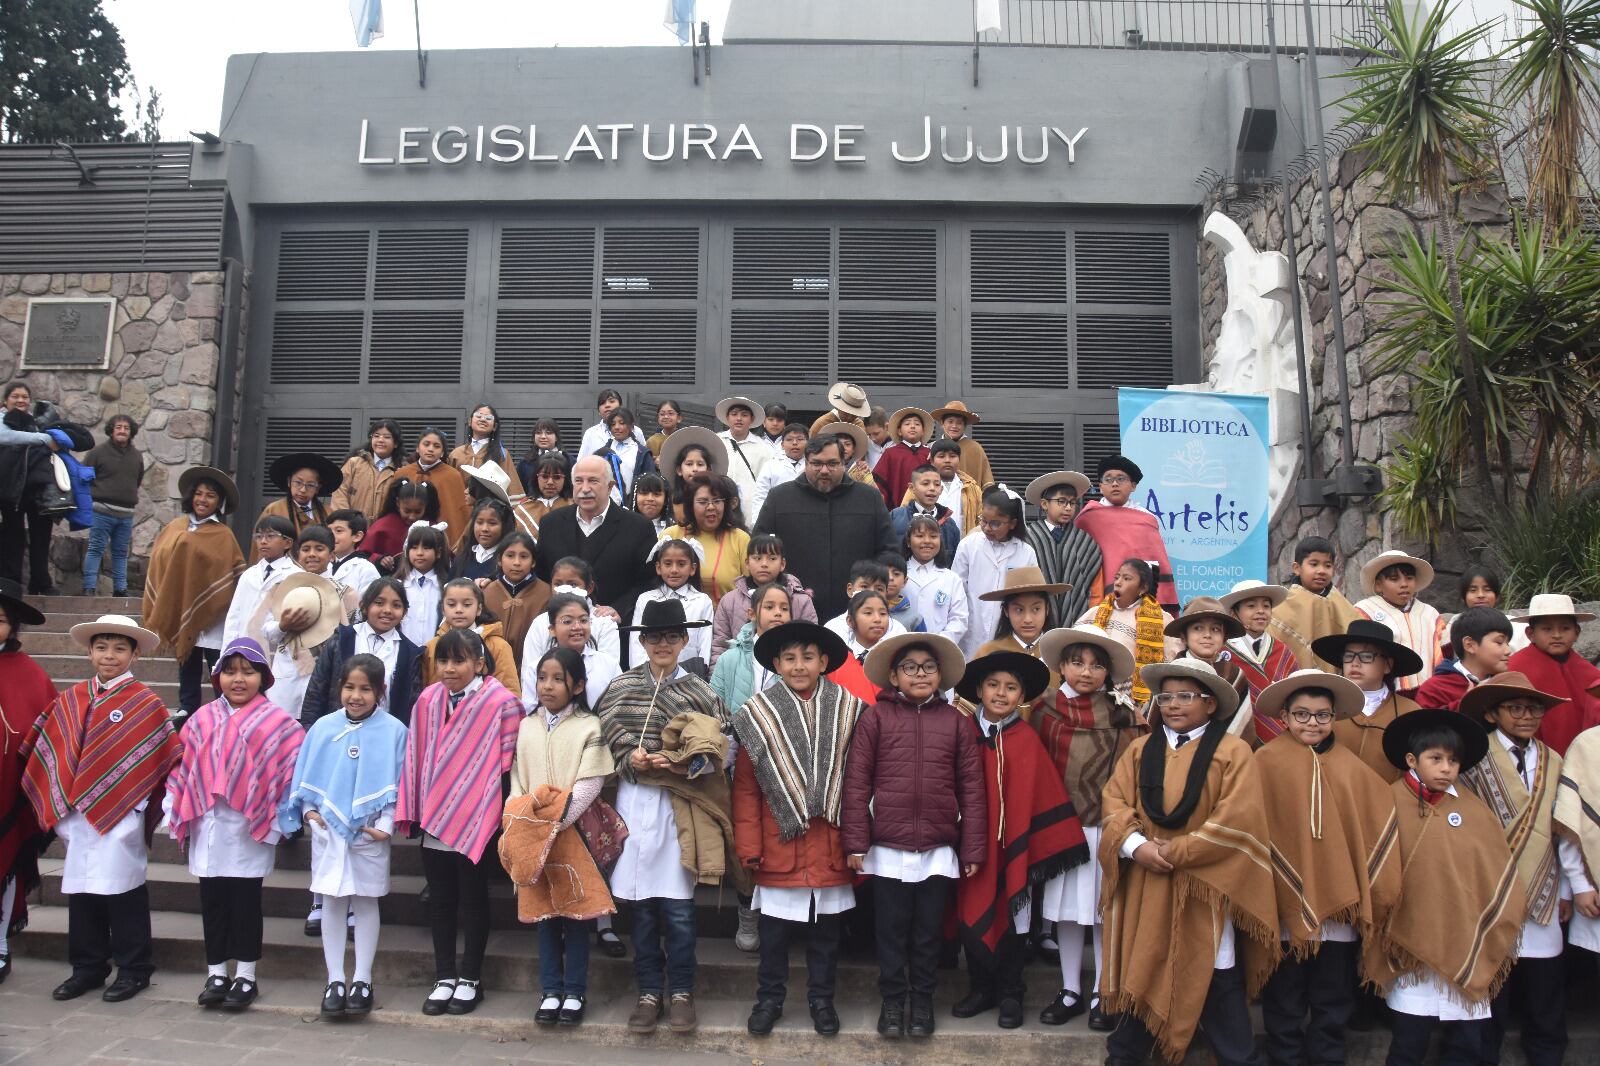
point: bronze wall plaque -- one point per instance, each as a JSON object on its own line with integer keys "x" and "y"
{"x": 68, "y": 333}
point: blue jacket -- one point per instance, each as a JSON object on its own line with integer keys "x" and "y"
{"x": 949, "y": 532}
{"x": 734, "y": 678}
{"x": 83, "y": 516}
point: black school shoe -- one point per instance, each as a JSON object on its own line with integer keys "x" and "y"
{"x": 215, "y": 990}
{"x": 314, "y": 925}
{"x": 571, "y": 1015}
{"x": 1066, "y": 1006}
{"x": 333, "y": 1000}
{"x": 359, "y": 1001}
{"x": 240, "y": 995}
{"x": 824, "y": 1019}
{"x": 548, "y": 1015}
{"x": 763, "y": 1016}
{"x": 892, "y": 1019}
{"x": 434, "y": 1006}
{"x": 1099, "y": 1020}
{"x": 1011, "y": 1014}
{"x": 920, "y": 1024}
{"x": 611, "y": 945}
{"x": 973, "y": 1004}
{"x": 125, "y": 987}
{"x": 75, "y": 986}
{"x": 460, "y": 1004}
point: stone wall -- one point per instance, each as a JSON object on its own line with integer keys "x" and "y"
{"x": 163, "y": 373}
{"x": 1366, "y": 225}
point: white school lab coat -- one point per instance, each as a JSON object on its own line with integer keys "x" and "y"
{"x": 106, "y": 865}
{"x": 982, "y": 565}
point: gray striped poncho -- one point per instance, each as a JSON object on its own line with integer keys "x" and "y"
{"x": 797, "y": 750}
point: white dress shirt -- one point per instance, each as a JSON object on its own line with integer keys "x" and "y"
{"x": 385, "y": 646}
{"x": 587, "y": 526}
{"x": 940, "y": 597}
{"x": 107, "y": 864}
{"x": 746, "y": 460}
{"x": 840, "y": 625}
{"x": 597, "y": 436}
{"x": 421, "y": 621}
{"x": 1545, "y": 941}
{"x": 950, "y": 496}
{"x": 355, "y": 572}
{"x": 780, "y": 470}
{"x": 627, "y": 453}
{"x": 248, "y": 595}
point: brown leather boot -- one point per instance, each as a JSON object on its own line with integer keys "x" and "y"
{"x": 680, "y": 1012}
{"x": 645, "y": 1013}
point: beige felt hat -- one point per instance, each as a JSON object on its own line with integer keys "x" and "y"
{"x": 1552, "y": 605}
{"x": 1045, "y": 482}
{"x": 857, "y": 435}
{"x": 1023, "y": 580}
{"x": 315, "y": 593}
{"x": 84, "y": 632}
{"x": 850, "y": 399}
{"x": 1481, "y": 699}
{"x": 1251, "y": 590}
{"x": 685, "y": 437}
{"x": 1347, "y": 697}
{"x": 1196, "y": 670}
{"x": 956, "y": 407}
{"x": 910, "y": 412}
{"x": 1369, "y": 573}
{"x": 230, "y": 491}
{"x": 951, "y": 663}
{"x": 728, "y": 404}
{"x": 1053, "y": 643}
{"x": 1203, "y": 607}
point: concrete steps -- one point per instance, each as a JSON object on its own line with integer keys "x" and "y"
{"x": 52, "y": 647}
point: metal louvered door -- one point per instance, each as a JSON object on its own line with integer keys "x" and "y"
{"x": 1033, "y": 319}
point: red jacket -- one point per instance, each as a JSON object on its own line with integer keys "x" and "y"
{"x": 1443, "y": 690}
{"x": 920, "y": 770}
{"x": 814, "y": 859}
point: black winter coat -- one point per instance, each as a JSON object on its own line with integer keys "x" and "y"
{"x": 823, "y": 535}
{"x": 322, "y": 692}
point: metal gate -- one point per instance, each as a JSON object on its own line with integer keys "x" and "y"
{"x": 1032, "y": 320}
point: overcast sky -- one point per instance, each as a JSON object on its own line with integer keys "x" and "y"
{"x": 181, "y": 46}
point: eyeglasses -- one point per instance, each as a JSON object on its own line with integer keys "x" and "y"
{"x": 1116, "y": 479}
{"x": 993, "y": 523}
{"x": 713, "y": 501}
{"x": 663, "y": 636}
{"x": 824, "y": 464}
{"x": 268, "y": 534}
{"x": 1521, "y": 709}
{"x": 1307, "y": 717}
{"x": 918, "y": 669}
{"x": 1360, "y": 656}
{"x": 301, "y": 483}
{"x": 1181, "y": 699}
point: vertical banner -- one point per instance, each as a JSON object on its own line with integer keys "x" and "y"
{"x": 1205, "y": 463}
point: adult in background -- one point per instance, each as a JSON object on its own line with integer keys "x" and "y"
{"x": 118, "y": 469}
{"x": 369, "y": 471}
{"x": 1125, "y": 530}
{"x": 713, "y": 520}
{"x": 826, "y": 522}
{"x": 614, "y": 541}
{"x": 20, "y": 523}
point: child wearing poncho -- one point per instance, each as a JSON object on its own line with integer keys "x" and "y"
{"x": 345, "y": 786}
{"x": 1578, "y": 793}
{"x": 239, "y": 753}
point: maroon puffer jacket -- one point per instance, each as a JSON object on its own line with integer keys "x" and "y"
{"x": 920, "y": 769}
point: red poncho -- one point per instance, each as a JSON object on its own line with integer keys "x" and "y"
{"x": 893, "y": 472}
{"x": 25, "y": 694}
{"x": 1125, "y": 533}
{"x": 1574, "y": 678}
{"x": 1033, "y": 831}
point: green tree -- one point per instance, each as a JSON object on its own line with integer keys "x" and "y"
{"x": 62, "y": 66}
{"x": 1553, "y": 66}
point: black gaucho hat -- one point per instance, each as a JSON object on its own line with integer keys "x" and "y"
{"x": 1397, "y": 736}
{"x": 1330, "y": 649}
{"x": 829, "y": 643}
{"x": 1120, "y": 462}
{"x": 664, "y": 614}
{"x": 329, "y": 476}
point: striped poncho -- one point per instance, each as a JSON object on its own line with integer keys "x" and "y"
{"x": 450, "y": 780}
{"x": 1274, "y": 663}
{"x": 243, "y": 757}
{"x": 634, "y": 709}
{"x": 797, "y": 751}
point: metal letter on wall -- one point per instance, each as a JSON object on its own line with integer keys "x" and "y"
{"x": 68, "y": 334}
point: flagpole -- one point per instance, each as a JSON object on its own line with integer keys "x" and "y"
{"x": 422, "y": 57}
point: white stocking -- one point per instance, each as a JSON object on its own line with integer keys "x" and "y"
{"x": 8, "y": 900}
{"x": 333, "y": 936}
{"x": 365, "y": 909}
{"x": 1099, "y": 954}
{"x": 1069, "y": 940}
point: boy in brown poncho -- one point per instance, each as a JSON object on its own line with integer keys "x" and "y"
{"x": 1187, "y": 871}
{"x": 1448, "y": 946}
{"x": 1334, "y": 829}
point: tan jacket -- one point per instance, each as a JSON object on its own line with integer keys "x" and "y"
{"x": 975, "y": 462}
{"x": 462, "y": 457}
{"x": 364, "y": 486}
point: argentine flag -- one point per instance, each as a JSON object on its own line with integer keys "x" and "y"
{"x": 367, "y": 18}
{"x": 680, "y": 19}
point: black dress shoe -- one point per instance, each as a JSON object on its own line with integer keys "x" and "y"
{"x": 240, "y": 995}
{"x": 5, "y": 967}
{"x": 359, "y": 1001}
{"x": 1099, "y": 1020}
{"x": 571, "y": 1015}
{"x": 824, "y": 1018}
{"x": 1066, "y": 1006}
{"x": 920, "y": 1023}
{"x": 973, "y": 1004}
{"x": 434, "y": 1006}
{"x": 125, "y": 987}
{"x": 1011, "y": 1013}
{"x": 75, "y": 986}
{"x": 314, "y": 926}
{"x": 611, "y": 945}
{"x": 214, "y": 992}
{"x": 120, "y": 593}
{"x": 465, "y": 1005}
{"x": 763, "y": 1016}
{"x": 892, "y": 1019}
{"x": 548, "y": 1015}
{"x": 333, "y": 1000}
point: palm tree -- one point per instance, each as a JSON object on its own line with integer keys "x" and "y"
{"x": 1419, "y": 96}
{"x": 1553, "y": 67}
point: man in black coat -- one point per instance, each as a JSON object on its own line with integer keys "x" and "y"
{"x": 826, "y": 522}
{"x": 610, "y": 538}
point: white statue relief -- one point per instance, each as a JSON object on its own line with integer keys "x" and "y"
{"x": 1254, "y": 352}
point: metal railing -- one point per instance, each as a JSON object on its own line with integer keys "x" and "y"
{"x": 1184, "y": 25}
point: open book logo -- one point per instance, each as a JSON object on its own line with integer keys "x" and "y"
{"x": 1193, "y": 468}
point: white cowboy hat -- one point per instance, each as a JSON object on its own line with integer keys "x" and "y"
{"x": 849, "y": 399}
{"x": 83, "y": 633}
{"x": 1383, "y": 560}
{"x": 315, "y": 593}
{"x": 857, "y": 435}
{"x": 493, "y": 478}
{"x": 1196, "y": 670}
{"x": 1252, "y": 590}
{"x": 1552, "y": 605}
{"x": 1045, "y": 482}
{"x": 1053, "y": 643}
{"x": 1347, "y": 697}
{"x": 951, "y": 663}
{"x": 726, "y": 405}
{"x": 673, "y": 447}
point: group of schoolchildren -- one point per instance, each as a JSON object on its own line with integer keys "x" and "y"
{"x": 1010, "y": 740}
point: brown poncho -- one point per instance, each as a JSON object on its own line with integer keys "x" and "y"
{"x": 1528, "y": 820}
{"x": 1084, "y": 736}
{"x": 1334, "y": 829}
{"x": 190, "y": 581}
{"x": 1162, "y": 930}
{"x": 1305, "y": 616}
{"x": 1461, "y": 901}
{"x": 1362, "y": 735}
{"x": 555, "y": 875}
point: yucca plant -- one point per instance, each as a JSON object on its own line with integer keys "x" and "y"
{"x": 1551, "y": 543}
{"x": 1553, "y": 69}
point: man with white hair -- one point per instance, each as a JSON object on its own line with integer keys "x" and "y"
{"x": 613, "y": 540}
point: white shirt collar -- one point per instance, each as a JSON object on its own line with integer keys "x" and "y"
{"x": 590, "y": 525}
{"x": 478, "y": 444}
{"x": 483, "y": 552}
{"x": 196, "y": 523}
{"x": 99, "y": 686}
{"x": 989, "y": 728}
{"x": 383, "y": 463}
{"x": 422, "y": 579}
{"x": 365, "y": 631}
{"x": 1173, "y": 734}
{"x": 1532, "y": 747}
{"x": 1375, "y": 699}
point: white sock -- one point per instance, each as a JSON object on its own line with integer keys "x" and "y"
{"x": 465, "y": 989}
{"x": 550, "y": 1003}
{"x": 1099, "y": 954}
{"x": 1069, "y": 939}
{"x": 333, "y": 945}
{"x": 364, "y": 910}
{"x": 245, "y": 970}
{"x": 8, "y": 900}
{"x": 216, "y": 969}
{"x": 441, "y": 993}
{"x": 571, "y": 1003}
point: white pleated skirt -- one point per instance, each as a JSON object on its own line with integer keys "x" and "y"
{"x": 1074, "y": 896}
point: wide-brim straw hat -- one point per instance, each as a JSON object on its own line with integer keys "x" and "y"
{"x": 1054, "y": 643}
{"x": 685, "y": 437}
{"x": 1552, "y": 605}
{"x": 1512, "y": 684}
{"x": 1397, "y": 735}
{"x": 492, "y": 478}
{"x": 945, "y": 652}
{"x": 849, "y": 398}
{"x": 1196, "y": 670}
{"x": 1347, "y": 698}
{"x": 1252, "y": 590}
{"x": 727, "y": 404}
{"x": 84, "y": 632}
{"x": 19, "y": 612}
{"x": 230, "y": 491}
{"x": 1200, "y": 609}
{"x": 909, "y": 412}
{"x": 829, "y": 643}
{"x": 858, "y": 437}
{"x": 1023, "y": 581}
{"x": 253, "y": 654}
{"x": 329, "y": 476}
{"x": 1383, "y": 560}
{"x": 1078, "y": 483}
{"x": 956, "y": 407}
{"x": 314, "y": 592}
{"x": 1032, "y": 673}
{"x": 1330, "y": 649}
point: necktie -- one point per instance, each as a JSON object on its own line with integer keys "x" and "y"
{"x": 1058, "y": 533}
{"x": 1183, "y": 738}
{"x": 1520, "y": 753}
{"x": 455, "y": 698}
{"x": 1256, "y": 646}
{"x": 266, "y": 570}
{"x": 377, "y": 644}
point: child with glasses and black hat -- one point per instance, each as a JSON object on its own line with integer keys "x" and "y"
{"x": 1369, "y": 655}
